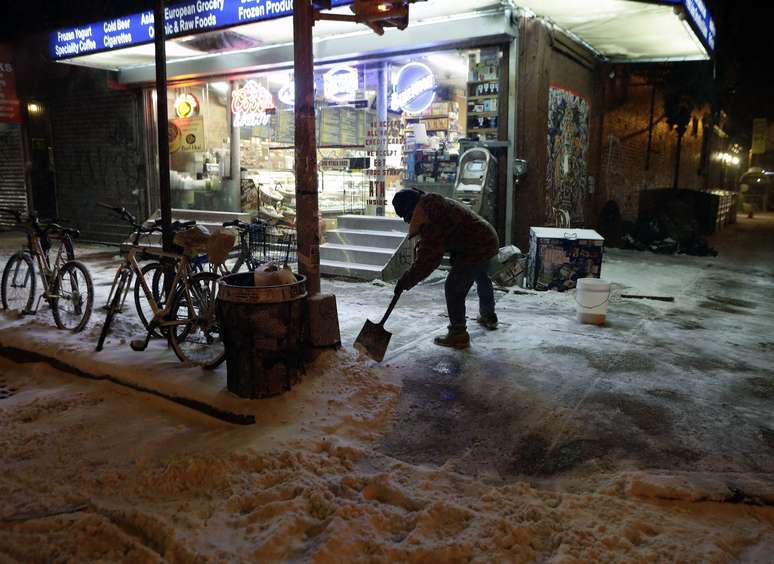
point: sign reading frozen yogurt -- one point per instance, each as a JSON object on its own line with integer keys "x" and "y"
{"x": 414, "y": 89}
{"x": 252, "y": 105}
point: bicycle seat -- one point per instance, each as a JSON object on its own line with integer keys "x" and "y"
{"x": 238, "y": 223}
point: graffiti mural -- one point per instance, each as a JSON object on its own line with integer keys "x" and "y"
{"x": 568, "y": 142}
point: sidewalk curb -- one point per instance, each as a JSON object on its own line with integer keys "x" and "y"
{"x": 24, "y": 356}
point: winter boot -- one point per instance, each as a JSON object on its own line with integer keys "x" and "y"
{"x": 456, "y": 338}
{"x": 488, "y": 321}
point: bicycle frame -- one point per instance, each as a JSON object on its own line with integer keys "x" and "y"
{"x": 47, "y": 274}
{"x": 182, "y": 273}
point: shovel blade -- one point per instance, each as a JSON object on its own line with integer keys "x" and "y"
{"x": 373, "y": 340}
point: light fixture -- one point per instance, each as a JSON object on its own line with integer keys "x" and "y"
{"x": 449, "y": 63}
{"x": 34, "y": 108}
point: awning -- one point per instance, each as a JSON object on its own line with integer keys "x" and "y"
{"x": 634, "y": 31}
{"x": 210, "y": 36}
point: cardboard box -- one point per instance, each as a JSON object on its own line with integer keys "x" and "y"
{"x": 559, "y": 256}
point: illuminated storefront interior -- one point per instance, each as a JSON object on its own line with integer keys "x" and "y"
{"x": 430, "y": 100}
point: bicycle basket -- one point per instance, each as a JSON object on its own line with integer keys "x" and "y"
{"x": 272, "y": 244}
{"x": 193, "y": 240}
{"x": 219, "y": 245}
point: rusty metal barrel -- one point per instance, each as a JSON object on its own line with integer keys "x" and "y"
{"x": 262, "y": 329}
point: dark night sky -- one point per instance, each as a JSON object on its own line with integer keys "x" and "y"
{"x": 743, "y": 58}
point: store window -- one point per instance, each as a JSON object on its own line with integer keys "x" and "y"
{"x": 382, "y": 124}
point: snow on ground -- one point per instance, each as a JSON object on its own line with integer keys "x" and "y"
{"x": 648, "y": 439}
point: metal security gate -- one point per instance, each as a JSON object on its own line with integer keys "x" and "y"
{"x": 13, "y": 192}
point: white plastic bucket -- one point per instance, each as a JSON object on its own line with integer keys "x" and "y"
{"x": 592, "y": 296}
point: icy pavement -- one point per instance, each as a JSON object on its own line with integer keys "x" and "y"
{"x": 648, "y": 439}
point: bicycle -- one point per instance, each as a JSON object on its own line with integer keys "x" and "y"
{"x": 67, "y": 285}
{"x": 185, "y": 313}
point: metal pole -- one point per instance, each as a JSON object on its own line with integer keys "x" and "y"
{"x": 162, "y": 121}
{"x": 678, "y": 151}
{"x": 307, "y": 210}
{"x": 650, "y": 126}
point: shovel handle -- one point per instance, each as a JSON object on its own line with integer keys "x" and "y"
{"x": 389, "y": 309}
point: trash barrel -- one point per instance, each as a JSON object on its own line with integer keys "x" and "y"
{"x": 262, "y": 329}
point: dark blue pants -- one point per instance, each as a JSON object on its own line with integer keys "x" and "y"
{"x": 458, "y": 284}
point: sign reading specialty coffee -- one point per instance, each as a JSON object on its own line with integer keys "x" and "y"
{"x": 184, "y": 18}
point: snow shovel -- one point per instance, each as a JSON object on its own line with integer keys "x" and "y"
{"x": 373, "y": 339}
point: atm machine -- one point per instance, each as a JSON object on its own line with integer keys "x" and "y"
{"x": 476, "y": 183}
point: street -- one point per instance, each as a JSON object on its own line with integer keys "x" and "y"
{"x": 648, "y": 438}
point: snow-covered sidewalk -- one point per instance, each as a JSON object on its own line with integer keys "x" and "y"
{"x": 649, "y": 438}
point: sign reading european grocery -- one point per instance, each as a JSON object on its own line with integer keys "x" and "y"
{"x": 185, "y": 18}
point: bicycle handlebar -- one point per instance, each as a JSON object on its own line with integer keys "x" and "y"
{"x": 122, "y": 212}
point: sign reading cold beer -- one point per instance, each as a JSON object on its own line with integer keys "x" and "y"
{"x": 183, "y": 18}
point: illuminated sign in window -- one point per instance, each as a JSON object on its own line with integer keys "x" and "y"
{"x": 252, "y": 105}
{"x": 414, "y": 89}
{"x": 186, "y": 105}
{"x": 340, "y": 84}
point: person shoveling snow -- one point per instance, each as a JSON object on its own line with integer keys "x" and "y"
{"x": 445, "y": 225}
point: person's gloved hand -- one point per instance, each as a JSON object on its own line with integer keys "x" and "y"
{"x": 400, "y": 287}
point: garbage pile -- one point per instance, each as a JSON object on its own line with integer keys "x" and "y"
{"x": 668, "y": 229}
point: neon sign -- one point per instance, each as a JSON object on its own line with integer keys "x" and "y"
{"x": 252, "y": 105}
{"x": 340, "y": 84}
{"x": 414, "y": 90}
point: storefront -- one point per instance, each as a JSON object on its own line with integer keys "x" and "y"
{"x": 391, "y": 111}
{"x": 382, "y": 123}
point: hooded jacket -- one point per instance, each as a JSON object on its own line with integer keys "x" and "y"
{"x": 445, "y": 225}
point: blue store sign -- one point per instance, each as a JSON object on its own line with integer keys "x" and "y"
{"x": 414, "y": 89}
{"x": 185, "y": 18}
{"x": 700, "y": 18}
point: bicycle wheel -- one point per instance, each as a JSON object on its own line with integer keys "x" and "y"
{"x": 194, "y": 332}
{"x": 115, "y": 305}
{"x": 153, "y": 275}
{"x": 74, "y": 297}
{"x": 18, "y": 287}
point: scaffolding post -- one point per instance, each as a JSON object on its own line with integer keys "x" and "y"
{"x": 307, "y": 206}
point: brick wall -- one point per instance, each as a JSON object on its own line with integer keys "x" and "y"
{"x": 99, "y": 157}
{"x": 624, "y": 166}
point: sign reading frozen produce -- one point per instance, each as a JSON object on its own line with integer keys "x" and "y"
{"x": 186, "y": 135}
{"x": 414, "y": 89}
{"x": 183, "y": 18}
